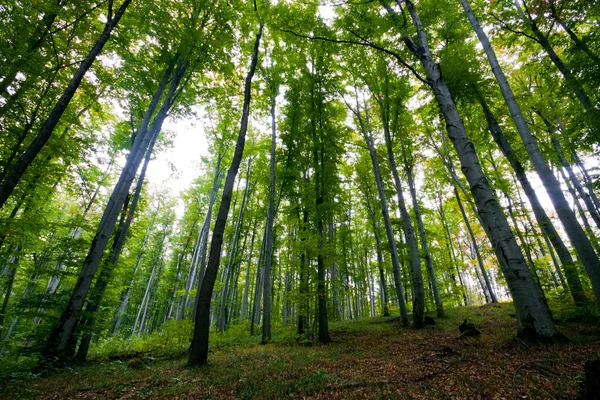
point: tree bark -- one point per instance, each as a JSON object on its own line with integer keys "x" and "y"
{"x": 543, "y": 41}
{"x": 93, "y": 305}
{"x": 57, "y": 342}
{"x": 199, "y": 346}
{"x": 415, "y": 262}
{"x": 16, "y": 172}
{"x": 417, "y": 210}
{"x": 576, "y": 234}
{"x": 542, "y": 218}
{"x": 534, "y": 320}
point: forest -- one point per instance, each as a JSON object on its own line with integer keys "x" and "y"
{"x": 389, "y": 199}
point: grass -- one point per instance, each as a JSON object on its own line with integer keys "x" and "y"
{"x": 371, "y": 358}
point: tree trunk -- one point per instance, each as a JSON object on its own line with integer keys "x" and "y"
{"x": 266, "y": 331}
{"x": 57, "y": 342}
{"x": 543, "y": 41}
{"x": 451, "y": 251}
{"x": 534, "y": 320}
{"x": 13, "y": 177}
{"x": 487, "y": 287}
{"x": 576, "y": 234}
{"x": 93, "y": 306}
{"x": 199, "y": 346}
{"x": 432, "y": 278}
{"x": 542, "y": 218}
{"x": 415, "y": 262}
{"x": 127, "y": 295}
{"x": 233, "y": 253}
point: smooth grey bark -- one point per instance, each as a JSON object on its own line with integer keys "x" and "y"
{"x": 266, "y": 328}
{"x": 439, "y": 306}
{"x": 199, "y": 254}
{"x": 589, "y": 183}
{"x": 199, "y": 346}
{"x": 576, "y": 234}
{"x": 58, "y": 340}
{"x": 534, "y": 319}
{"x": 143, "y": 309}
{"x": 546, "y": 225}
{"x": 16, "y": 172}
{"x": 244, "y": 311}
{"x": 487, "y": 287}
{"x": 382, "y": 282}
{"x": 583, "y": 195}
{"x": 415, "y": 262}
{"x": 586, "y": 223}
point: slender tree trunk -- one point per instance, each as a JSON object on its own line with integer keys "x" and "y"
{"x": 534, "y": 319}
{"x": 546, "y": 225}
{"x": 487, "y": 287}
{"x": 13, "y": 177}
{"x": 382, "y": 282}
{"x": 452, "y": 253}
{"x": 266, "y": 328}
{"x": 417, "y": 210}
{"x": 244, "y": 312}
{"x": 304, "y": 282}
{"x": 576, "y": 234}
{"x": 589, "y": 205}
{"x": 199, "y": 346}
{"x": 587, "y": 179}
{"x": 233, "y": 253}
{"x": 127, "y": 295}
{"x": 415, "y": 262}
{"x": 93, "y": 306}
{"x": 578, "y": 42}
{"x": 543, "y": 41}
{"x": 57, "y": 342}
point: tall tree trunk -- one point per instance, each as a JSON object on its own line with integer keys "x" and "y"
{"x": 99, "y": 289}
{"x": 199, "y": 346}
{"x": 578, "y": 42}
{"x": 16, "y": 172}
{"x": 127, "y": 295}
{"x": 534, "y": 320}
{"x": 382, "y": 282}
{"x": 546, "y": 225}
{"x": 543, "y": 41}
{"x": 587, "y": 179}
{"x": 487, "y": 287}
{"x": 439, "y": 306}
{"x": 587, "y": 200}
{"x": 266, "y": 328}
{"x": 414, "y": 251}
{"x": 304, "y": 278}
{"x": 233, "y": 253}
{"x": 451, "y": 251}
{"x": 58, "y": 339}
{"x": 244, "y": 311}
{"x": 576, "y": 234}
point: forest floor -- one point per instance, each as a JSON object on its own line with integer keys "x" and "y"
{"x": 371, "y": 358}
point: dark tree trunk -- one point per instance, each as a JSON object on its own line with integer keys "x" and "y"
{"x": 199, "y": 346}
{"x": 13, "y": 177}
{"x": 57, "y": 342}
